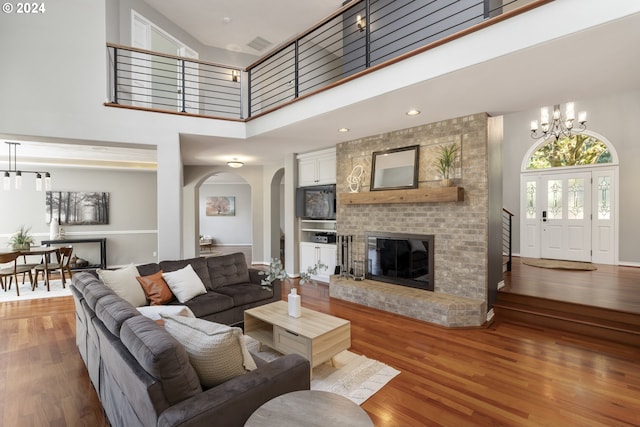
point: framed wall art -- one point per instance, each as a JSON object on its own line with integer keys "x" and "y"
{"x": 221, "y": 206}
{"x": 77, "y": 208}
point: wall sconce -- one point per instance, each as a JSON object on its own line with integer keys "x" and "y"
{"x": 361, "y": 23}
{"x": 235, "y": 76}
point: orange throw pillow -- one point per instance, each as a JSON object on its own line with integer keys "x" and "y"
{"x": 156, "y": 289}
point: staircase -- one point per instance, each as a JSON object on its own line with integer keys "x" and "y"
{"x": 595, "y": 322}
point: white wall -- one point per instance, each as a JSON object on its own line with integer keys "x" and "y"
{"x": 615, "y": 117}
{"x": 132, "y": 230}
{"x": 227, "y": 230}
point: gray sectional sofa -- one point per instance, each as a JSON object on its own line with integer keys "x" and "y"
{"x": 142, "y": 374}
{"x": 232, "y": 287}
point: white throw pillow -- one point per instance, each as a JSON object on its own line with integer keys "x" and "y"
{"x": 153, "y": 312}
{"x": 216, "y": 352}
{"x": 184, "y": 283}
{"x": 125, "y": 284}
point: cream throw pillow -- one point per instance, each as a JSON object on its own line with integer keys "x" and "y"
{"x": 216, "y": 352}
{"x": 184, "y": 283}
{"x": 125, "y": 284}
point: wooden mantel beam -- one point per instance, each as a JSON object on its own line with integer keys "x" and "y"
{"x": 417, "y": 195}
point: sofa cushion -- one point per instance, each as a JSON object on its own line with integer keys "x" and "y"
{"x": 245, "y": 293}
{"x": 124, "y": 283}
{"x": 217, "y": 352}
{"x": 156, "y": 289}
{"x": 148, "y": 269}
{"x": 228, "y": 269}
{"x": 162, "y": 357}
{"x": 113, "y": 311}
{"x": 184, "y": 283}
{"x": 199, "y": 266}
{"x": 209, "y": 303}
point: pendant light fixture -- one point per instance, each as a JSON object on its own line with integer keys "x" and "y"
{"x": 13, "y": 169}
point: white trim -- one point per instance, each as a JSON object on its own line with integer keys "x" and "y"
{"x": 629, "y": 264}
{"x": 92, "y": 233}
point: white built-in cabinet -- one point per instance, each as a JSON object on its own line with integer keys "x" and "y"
{"x": 317, "y": 168}
{"x": 314, "y": 253}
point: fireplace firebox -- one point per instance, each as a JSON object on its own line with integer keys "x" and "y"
{"x": 402, "y": 259}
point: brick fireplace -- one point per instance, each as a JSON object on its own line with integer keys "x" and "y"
{"x": 460, "y": 228}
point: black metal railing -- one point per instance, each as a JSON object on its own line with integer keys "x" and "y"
{"x": 362, "y": 35}
{"x": 150, "y": 80}
{"x": 507, "y": 222}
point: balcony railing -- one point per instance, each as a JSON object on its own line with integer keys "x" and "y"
{"x": 362, "y": 36}
{"x": 150, "y": 80}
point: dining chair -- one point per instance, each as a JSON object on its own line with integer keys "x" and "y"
{"x": 62, "y": 266}
{"x": 26, "y": 268}
{"x": 9, "y": 271}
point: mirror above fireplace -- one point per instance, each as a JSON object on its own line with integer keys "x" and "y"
{"x": 395, "y": 169}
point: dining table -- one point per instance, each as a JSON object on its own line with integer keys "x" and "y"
{"x": 45, "y": 252}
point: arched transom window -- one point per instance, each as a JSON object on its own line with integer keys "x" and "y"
{"x": 577, "y": 150}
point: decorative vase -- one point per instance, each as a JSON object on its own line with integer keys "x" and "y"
{"x": 53, "y": 229}
{"x": 445, "y": 183}
{"x": 21, "y": 246}
{"x": 294, "y": 303}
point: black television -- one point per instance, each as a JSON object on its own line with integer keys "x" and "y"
{"x": 316, "y": 202}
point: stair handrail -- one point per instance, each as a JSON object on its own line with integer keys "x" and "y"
{"x": 507, "y": 240}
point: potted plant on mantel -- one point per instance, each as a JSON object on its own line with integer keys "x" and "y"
{"x": 447, "y": 157}
{"x": 21, "y": 239}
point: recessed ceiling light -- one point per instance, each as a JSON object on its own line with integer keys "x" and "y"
{"x": 226, "y": 19}
{"x": 413, "y": 112}
{"x": 342, "y": 130}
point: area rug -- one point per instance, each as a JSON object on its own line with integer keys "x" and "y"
{"x": 354, "y": 376}
{"x": 558, "y": 264}
{"x": 40, "y": 292}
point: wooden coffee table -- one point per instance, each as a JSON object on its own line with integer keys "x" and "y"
{"x": 316, "y": 336}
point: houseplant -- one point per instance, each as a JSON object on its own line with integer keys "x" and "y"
{"x": 447, "y": 157}
{"x": 275, "y": 271}
{"x": 21, "y": 239}
{"x": 305, "y": 276}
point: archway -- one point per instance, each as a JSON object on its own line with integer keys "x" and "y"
{"x": 225, "y": 214}
{"x": 569, "y": 199}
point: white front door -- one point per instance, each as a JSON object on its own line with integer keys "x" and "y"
{"x": 566, "y": 216}
{"x": 569, "y": 216}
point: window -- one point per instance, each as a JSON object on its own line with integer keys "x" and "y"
{"x": 578, "y": 150}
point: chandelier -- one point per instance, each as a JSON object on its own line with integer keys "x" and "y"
{"x": 13, "y": 169}
{"x": 557, "y": 125}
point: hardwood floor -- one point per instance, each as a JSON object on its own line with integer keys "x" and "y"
{"x": 505, "y": 375}
{"x": 610, "y": 286}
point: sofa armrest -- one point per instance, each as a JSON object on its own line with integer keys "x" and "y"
{"x": 232, "y": 403}
{"x": 256, "y": 278}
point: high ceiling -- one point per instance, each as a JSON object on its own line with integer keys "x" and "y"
{"x": 599, "y": 60}
{"x": 234, "y": 24}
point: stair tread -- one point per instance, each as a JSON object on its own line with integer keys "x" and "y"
{"x": 586, "y": 319}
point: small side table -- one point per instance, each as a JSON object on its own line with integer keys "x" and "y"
{"x": 309, "y": 408}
